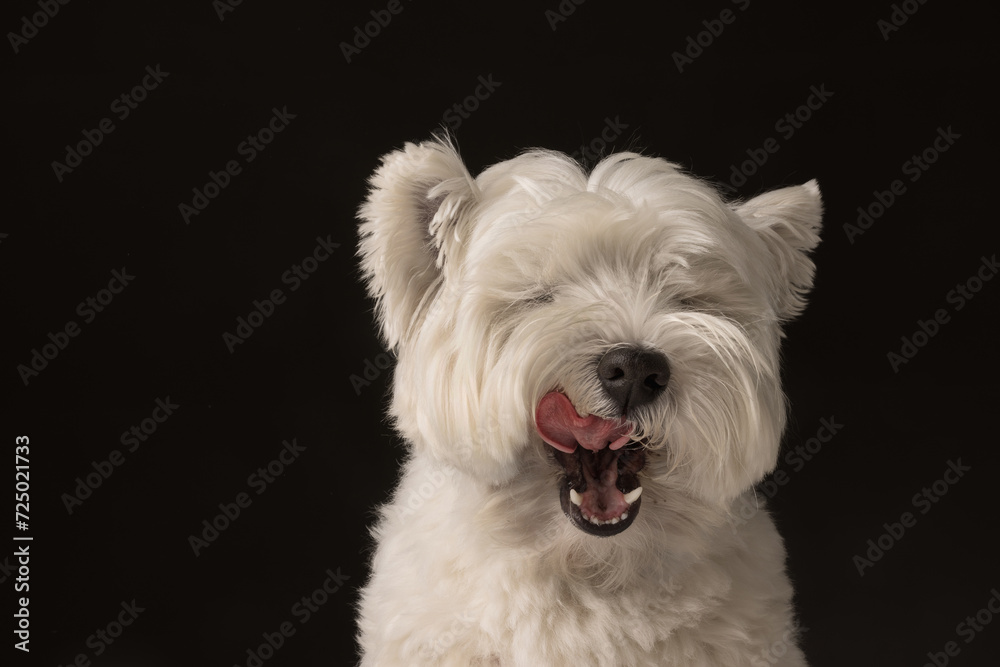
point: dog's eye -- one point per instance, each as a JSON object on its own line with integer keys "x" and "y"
{"x": 700, "y": 303}
{"x": 538, "y": 299}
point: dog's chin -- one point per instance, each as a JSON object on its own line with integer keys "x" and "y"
{"x": 599, "y": 509}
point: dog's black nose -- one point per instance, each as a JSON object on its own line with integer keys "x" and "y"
{"x": 633, "y": 376}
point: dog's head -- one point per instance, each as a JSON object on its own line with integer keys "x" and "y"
{"x": 606, "y": 331}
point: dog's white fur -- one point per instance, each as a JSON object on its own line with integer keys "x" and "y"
{"x": 496, "y": 290}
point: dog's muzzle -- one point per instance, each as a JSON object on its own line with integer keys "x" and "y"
{"x": 600, "y": 490}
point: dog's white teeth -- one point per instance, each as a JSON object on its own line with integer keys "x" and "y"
{"x": 575, "y": 497}
{"x": 633, "y": 495}
{"x": 606, "y": 522}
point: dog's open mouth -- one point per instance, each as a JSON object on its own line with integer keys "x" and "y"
{"x": 600, "y": 489}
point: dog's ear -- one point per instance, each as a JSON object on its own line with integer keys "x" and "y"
{"x": 417, "y": 209}
{"x": 789, "y": 221}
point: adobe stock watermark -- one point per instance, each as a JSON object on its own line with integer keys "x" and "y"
{"x": 915, "y": 167}
{"x": 362, "y": 36}
{"x": 593, "y": 150}
{"x": 923, "y": 501}
{"x": 104, "y": 637}
{"x": 960, "y": 295}
{"x": 122, "y": 106}
{"x": 372, "y": 369}
{"x": 294, "y": 276}
{"x": 248, "y": 149}
{"x": 426, "y": 490}
{"x": 900, "y": 14}
{"x": 778, "y": 648}
{"x": 968, "y": 629}
{"x": 30, "y": 25}
{"x": 259, "y": 481}
{"x": 459, "y": 626}
{"x": 223, "y": 7}
{"x": 660, "y": 596}
{"x": 23, "y": 585}
{"x": 696, "y": 44}
{"x": 302, "y": 611}
{"x": 562, "y": 12}
{"x": 796, "y": 459}
{"x": 461, "y": 111}
{"x": 132, "y": 438}
{"x": 786, "y": 126}
{"x": 437, "y": 478}
{"x": 59, "y": 341}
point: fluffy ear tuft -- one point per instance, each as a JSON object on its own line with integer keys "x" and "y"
{"x": 789, "y": 221}
{"x": 416, "y": 212}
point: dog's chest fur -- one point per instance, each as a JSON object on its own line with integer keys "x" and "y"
{"x": 465, "y": 598}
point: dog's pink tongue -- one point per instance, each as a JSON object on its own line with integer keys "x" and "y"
{"x": 559, "y": 425}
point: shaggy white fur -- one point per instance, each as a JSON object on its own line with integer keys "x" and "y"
{"x": 501, "y": 291}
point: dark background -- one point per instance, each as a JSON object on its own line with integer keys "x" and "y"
{"x": 298, "y": 375}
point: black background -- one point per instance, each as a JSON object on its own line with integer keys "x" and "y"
{"x": 162, "y": 335}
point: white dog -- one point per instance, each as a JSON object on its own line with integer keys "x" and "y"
{"x": 588, "y": 381}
